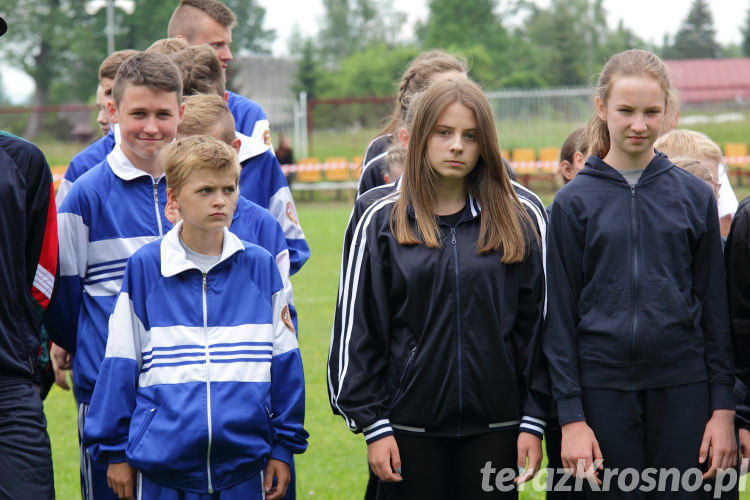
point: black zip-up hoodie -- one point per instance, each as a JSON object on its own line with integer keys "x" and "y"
{"x": 437, "y": 341}
{"x": 28, "y": 255}
{"x": 637, "y": 295}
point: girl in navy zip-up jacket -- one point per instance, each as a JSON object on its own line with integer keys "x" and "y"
{"x": 637, "y": 333}
{"x": 436, "y": 356}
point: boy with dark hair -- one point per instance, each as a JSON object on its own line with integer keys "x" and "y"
{"x": 110, "y": 212}
{"x": 211, "y": 22}
{"x": 99, "y": 149}
{"x": 197, "y": 395}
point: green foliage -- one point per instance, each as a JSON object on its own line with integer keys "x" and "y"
{"x": 53, "y": 41}
{"x": 746, "y": 34}
{"x": 352, "y": 25}
{"x": 696, "y": 37}
{"x": 309, "y": 73}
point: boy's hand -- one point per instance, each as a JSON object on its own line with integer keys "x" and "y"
{"x": 580, "y": 451}
{"x": 279, "y": 470}
{"x": 61, "y": 364}
{"x": 528, "y": 446}
{"x": 121, "y": 478}
{"x": 385, "y": 460}
{"x": 719, "y": 445}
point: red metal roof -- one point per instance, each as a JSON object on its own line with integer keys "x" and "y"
{"x": 711, "y": 79}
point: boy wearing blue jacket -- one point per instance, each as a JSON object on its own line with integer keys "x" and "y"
{"x": 197, "y": 394}
{"x": 110, "y": 212}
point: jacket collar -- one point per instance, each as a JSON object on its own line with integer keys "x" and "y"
{"x": 471, "y": 210}
{"x": 250, "y": 147}
{"x": 123, "y": 168}
{"x": 596, "y": 167}
{"x": 174, "y": 260}
{"x": 116, "y": 133}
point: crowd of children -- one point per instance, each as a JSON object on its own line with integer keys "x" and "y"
{"x": 470, "y": 321}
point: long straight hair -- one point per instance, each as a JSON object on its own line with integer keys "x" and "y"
{"x": 504, "y": 224}
{"x": 632, "y": 62}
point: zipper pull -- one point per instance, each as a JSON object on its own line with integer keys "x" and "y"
{"x": 632, "y": 190}
{"x": 453, "y": 235}
{"x": 156, "y": 193}
{"x": 204, "y": 282}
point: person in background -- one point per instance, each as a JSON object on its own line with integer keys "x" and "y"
{"x": 99, "y": 149}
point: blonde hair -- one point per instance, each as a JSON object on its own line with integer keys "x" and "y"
{"x": 109, "y": 66}
{"x": 504, "y": 224}
{"x": 206, "y": 114}
{"x": 417, "y": 78}
{"x": 689, "y": 143}
{"x": 634, "y": 62}
{"x": 167, "y": 46}
{"x": 186, "y": 155}
{"x": 184, "y": 18}
{"x": 201, "y": 70}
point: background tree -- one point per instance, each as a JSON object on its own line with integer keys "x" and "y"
{"x": 746, "y": 34}
{"x": 60, "y": 47}
{"x": 52, "y": 42}
{"x": 349, "y": 26}
{"x": 696, "y": 37}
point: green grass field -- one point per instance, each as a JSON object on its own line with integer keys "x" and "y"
{"x": 334, "y": 465}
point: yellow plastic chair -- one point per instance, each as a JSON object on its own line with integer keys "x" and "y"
{"x": 308, "y": 175}
{"x": 337, "y": 169}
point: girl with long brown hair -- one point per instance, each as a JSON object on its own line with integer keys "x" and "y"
{"x": 439, "y": 360}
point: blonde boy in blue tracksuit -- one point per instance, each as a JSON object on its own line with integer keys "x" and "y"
{"x": 201, "y": 391}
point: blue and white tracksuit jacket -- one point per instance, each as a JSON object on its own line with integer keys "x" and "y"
{"x": 255, "y": 224}
{"x": 91, "y": 156}
{"x": 202, "y": 380}
{"x": 110, "y": 212}
{"x": 249, "y": 118}
{"x": 263, "y": 182}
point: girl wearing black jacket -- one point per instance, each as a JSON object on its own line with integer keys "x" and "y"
{"x": 637, "y": 333}
{"x": 436, "y": 353}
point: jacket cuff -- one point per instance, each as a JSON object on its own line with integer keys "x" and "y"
{"x": 378, "y": 430}
{"x": 116, "y": 457}
{"x": 722, "y": 397}
{"x": 571, "y": 410}
{"x": 533, "y": 426}
{"x": 280, "y": 453}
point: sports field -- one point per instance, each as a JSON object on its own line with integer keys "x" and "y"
{"x": 334, "y": 466}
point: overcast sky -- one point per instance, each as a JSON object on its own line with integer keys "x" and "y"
{"x": 650, "y": 19}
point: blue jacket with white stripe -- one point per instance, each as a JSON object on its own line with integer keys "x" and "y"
{"x": 263, "y": 182}
{"x": 110, "y": 212}
{"x": 195, "y": 391}
{"x": 85, "y": 160}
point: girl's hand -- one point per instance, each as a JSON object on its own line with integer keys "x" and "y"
{"x": 580, "y": 451}
{"x": 719, "y": 444}
{"x": 385, "y": 460}
{"x": 121, "y": 478}
{"x": 280, "y": 471}
{"x": 744, "y": 443}
{"x": 529, "y": 446}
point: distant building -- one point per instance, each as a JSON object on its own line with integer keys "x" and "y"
{"x": 268, "y": 81}
{"x": 711, "y": 80}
